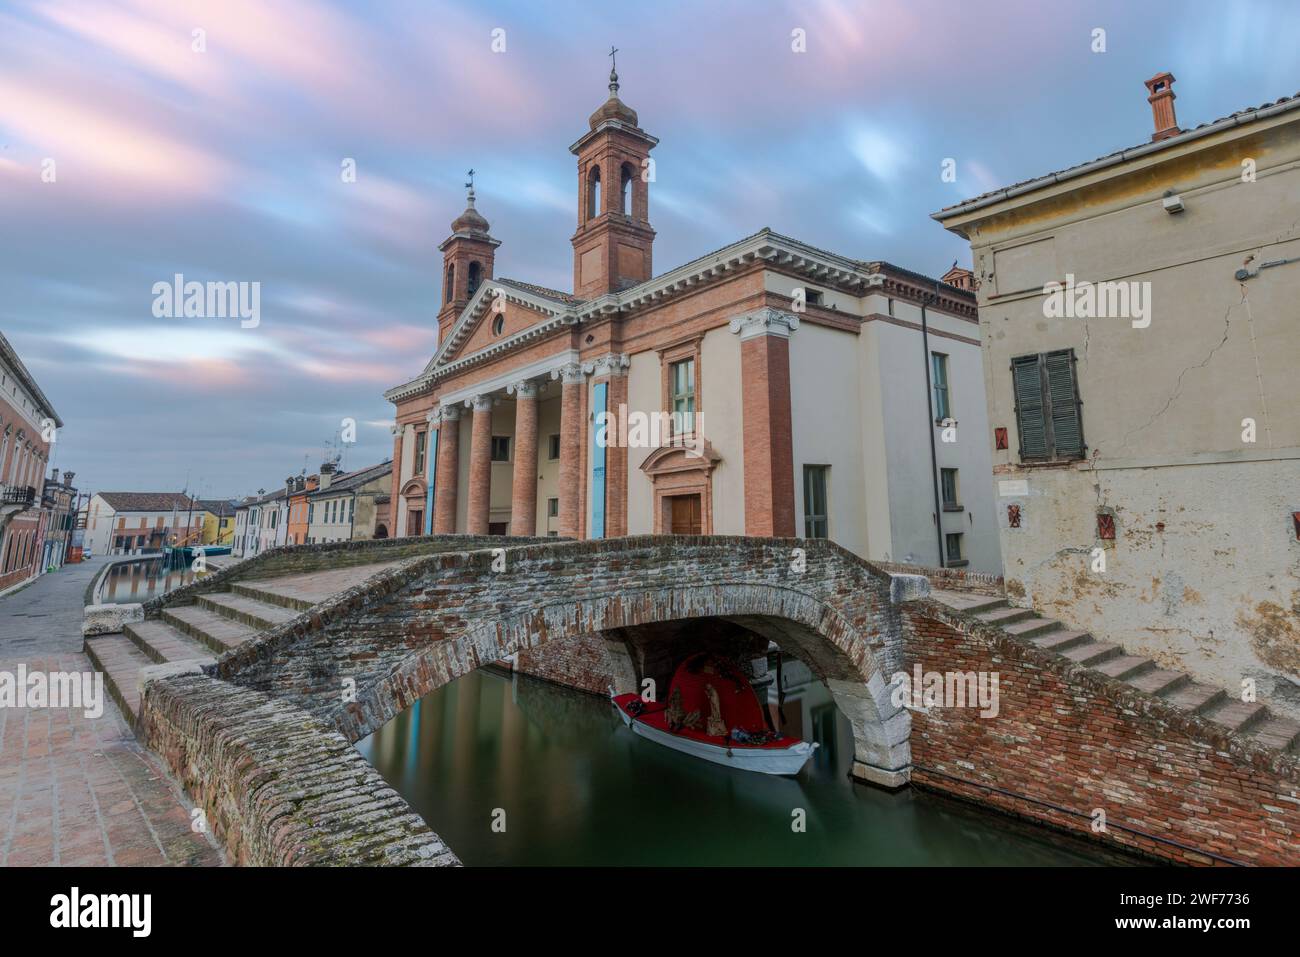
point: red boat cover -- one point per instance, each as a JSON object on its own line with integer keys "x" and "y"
{"x": 736, "y": 698}
{"x": 737, "y": 702}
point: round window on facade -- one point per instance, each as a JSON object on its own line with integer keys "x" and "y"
{"x": 498, "y": 325}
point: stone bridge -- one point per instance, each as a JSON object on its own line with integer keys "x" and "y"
{"x": 262, "y": 737}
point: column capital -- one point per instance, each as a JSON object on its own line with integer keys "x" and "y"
{"x": 765, "y": 321}
{"x": 445, "y": 413}
{"x": 395, "y": 429}
{"x": 480, "y": 403}
{"x": 611, "y": 364}
{"x": 523, "y": 389}
{"x": 570, "y": 373}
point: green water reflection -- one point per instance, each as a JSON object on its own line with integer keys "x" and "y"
{"x": 579, "y": 788}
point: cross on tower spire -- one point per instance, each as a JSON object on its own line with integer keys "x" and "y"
{"x": 470, "y": 186}
{"x": 613, "y": 71}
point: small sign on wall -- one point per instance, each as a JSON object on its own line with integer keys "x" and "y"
{"x": 1011, "y": 488}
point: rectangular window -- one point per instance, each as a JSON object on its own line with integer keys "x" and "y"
{"x": 1049, "y": 417}
{"x": 681, "y": 393}
{"x": 952, "y": 545}
{"x": 419, "y": 453}
{"x": 948, "y": 484}
{"x": 816, "y": 523}
{"x": 553, "y": 448}
{"x": 500, "y": 448}
{"x": 553, "y": 507}
{"x": 812, "y": 297}
{"x": 311, "y": 512}
{"x": 939, "y": 378}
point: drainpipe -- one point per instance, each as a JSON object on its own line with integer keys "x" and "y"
{"x": 929, "y": 427}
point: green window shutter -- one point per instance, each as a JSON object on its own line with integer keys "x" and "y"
{"x": 1067, "y": 427}
{"x": 1031, "y": 422}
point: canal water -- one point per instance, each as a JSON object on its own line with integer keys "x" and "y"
{"x": 130, "y": 582}
{"x": 578, "y": 788}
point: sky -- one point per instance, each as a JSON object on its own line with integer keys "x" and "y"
{"x": 144, "y": 138}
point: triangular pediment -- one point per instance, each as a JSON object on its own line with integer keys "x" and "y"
{"x": 500, "y": 313}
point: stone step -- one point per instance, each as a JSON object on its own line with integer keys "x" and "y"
{"x": 162, "y": 643}
{"x": 1158, "y": 681}
{"x": 1124, "y": 667}
{"x": 1276, "y": 732}
{"x": 964, "y": 602}
{"x": 1237, "y": 715}
{"x": 1194, "y": 696}
{"x": 120, "y": 661}
{"x": 216, "y": 631}
{"x": 271, "y": 595}
{"x": 1031, "y": 626}
{"x": 1059, "y": 640}
{"x": 248, "y": 611}
{"x": 1093, "y": 653}
{"x": 1004, "y": 616}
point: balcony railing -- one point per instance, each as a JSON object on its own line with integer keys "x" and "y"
{"x": 18, "y": 495}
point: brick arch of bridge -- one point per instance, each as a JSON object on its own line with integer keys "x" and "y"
{"x": 431, "y": 620}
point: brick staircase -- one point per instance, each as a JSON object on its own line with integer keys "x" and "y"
{"x": 203, "y": 631}
{"x": 1252, "y": 720}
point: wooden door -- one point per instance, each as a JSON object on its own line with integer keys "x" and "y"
{"x": 685, "y": 515}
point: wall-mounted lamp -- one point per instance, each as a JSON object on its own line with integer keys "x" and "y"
{"x": 1173, "y": 202}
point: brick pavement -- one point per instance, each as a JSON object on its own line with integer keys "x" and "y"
{"x": 76, "y": 790}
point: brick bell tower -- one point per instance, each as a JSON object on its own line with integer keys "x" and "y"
{"x": 467, "y": 257}
{"x": 612, "y": 247}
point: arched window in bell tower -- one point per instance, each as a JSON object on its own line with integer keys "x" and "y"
{"x": 625, "y": 201}
{"x": 593, "y": 193}
{"x": 450, "y": 285}
{"x": 475, "y": 277}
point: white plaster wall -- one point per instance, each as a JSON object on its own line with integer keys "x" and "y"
{"x": 722, "y": 423}
{"x": 643, "y": 388}
{"x": 826, "y": 429}
{"x": 903, "y": 364}
{"x": 548, "y": 471}
{"x": 503, "y": 479}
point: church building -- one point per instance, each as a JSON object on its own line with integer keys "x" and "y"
{"x": 766, "y": 388}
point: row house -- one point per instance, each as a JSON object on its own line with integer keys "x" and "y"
{"x": 261, "y": 522}
{"x": 767, "y": 388}
{"x": 28, "y": 426}
{"x": 136, "y": 523}
{"x": 1141, "y": 341}
{"x": 344, "y": 507}
{"x": 59, "y": 505}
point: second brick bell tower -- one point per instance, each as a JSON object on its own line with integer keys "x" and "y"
{"x": 612, "y": 246}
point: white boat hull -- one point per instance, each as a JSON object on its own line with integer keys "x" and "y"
{"x": 763, "y": 760}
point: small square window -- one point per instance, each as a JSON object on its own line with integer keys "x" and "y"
{"x": 500, "y": 448}
{"x": 813, "y": 297}
{"x": 553, "y": 507}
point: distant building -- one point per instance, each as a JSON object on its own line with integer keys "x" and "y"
{"x": 136, "y": 523}
{"x": 343, "y": 508}
{"x": 59, "y": 505}
{"x": 298, "y": 488}
{"x": 1141, "y": 329}
{"x": 261, "y": 522}
{"x": 28, "y": 424}
{"x": 218, "y": 522}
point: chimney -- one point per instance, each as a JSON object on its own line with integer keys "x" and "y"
{"x": 288, "y": 485}
{"x": 1161, "y": 88}
{"x": 68, "y": 477}
{"x": 326, "y": 474}
{"x": 54, "y": 477}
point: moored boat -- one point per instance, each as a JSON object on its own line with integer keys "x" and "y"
{"x": 712, "y": 712}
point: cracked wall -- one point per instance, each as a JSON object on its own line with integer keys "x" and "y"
{"x": 1191, "y": 423}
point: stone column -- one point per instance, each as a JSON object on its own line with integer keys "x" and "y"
{"x": 444, "y": 500}
{"x": 571, "y": 435}
{"x": 765, "y": 403}
{"x": 480, "y": 467}
{"x": 395, "y": 487}
{"x": 523, "y": 490}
